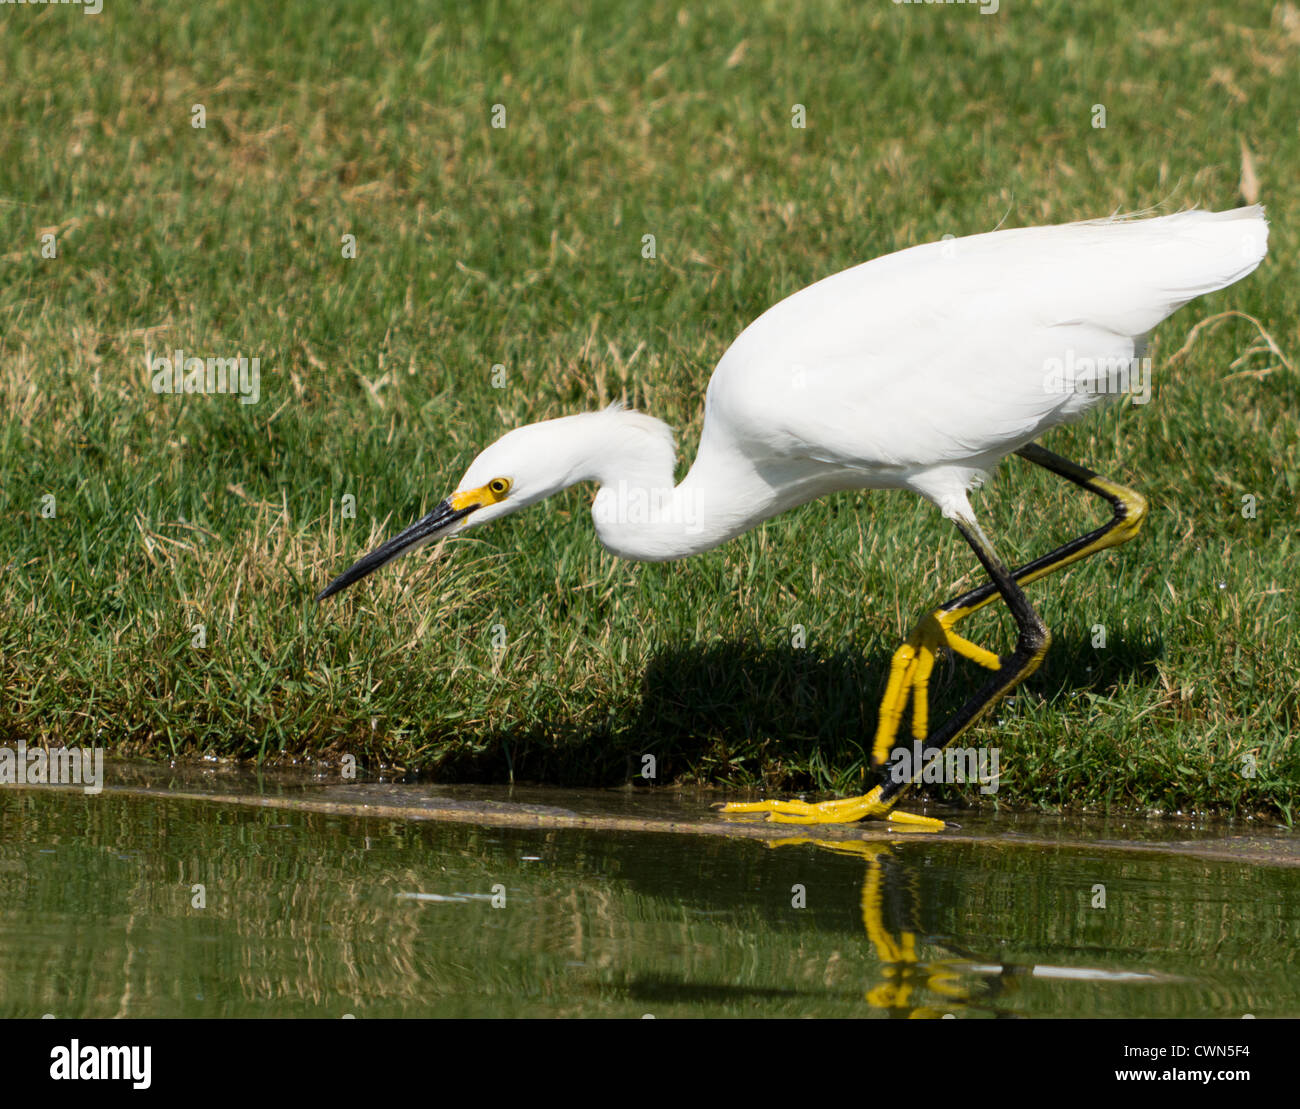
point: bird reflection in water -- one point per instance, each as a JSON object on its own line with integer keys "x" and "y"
{"x": 910, "y": 986}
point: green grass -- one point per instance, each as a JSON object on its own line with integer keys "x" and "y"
{"x": 522, "y": 247}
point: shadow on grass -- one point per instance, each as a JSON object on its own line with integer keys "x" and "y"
{"x": 743, "y": 714}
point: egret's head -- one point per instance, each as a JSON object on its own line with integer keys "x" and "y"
{"x": 522, "y": 467}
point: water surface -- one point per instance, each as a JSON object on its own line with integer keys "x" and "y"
{"x": 156, "y": 905}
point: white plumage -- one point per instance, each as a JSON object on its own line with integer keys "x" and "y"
{"x": 918, "y": 370}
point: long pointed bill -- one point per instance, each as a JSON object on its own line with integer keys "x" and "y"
{"x": 450, "y": 512}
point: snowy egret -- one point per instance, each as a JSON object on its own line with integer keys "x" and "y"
{"x": 919, "y": 370}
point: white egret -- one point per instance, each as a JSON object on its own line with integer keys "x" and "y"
{"x": 919, "y": 370}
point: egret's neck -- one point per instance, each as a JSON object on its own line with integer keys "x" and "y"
{"x": 641, "y": 514}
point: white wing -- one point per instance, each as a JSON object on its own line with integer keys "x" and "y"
{"x": 942, "y": 355}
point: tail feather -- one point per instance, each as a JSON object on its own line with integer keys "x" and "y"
{"x": 1144, "y": 270}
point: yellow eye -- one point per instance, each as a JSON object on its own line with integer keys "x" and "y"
{"x": 499, "y": 487}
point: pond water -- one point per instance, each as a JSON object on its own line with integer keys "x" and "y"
{"x": 153, "y": 899}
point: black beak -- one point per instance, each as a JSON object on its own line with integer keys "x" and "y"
{"x": 419, "y": 532}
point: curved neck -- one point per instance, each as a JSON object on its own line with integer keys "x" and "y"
{"x": 641, "y": 514}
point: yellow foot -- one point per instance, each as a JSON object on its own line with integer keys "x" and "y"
{"x": 909, "y": 677}
{"x": 844, "y": 811}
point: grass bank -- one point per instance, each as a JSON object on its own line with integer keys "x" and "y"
{"x": 499, "y": 278}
